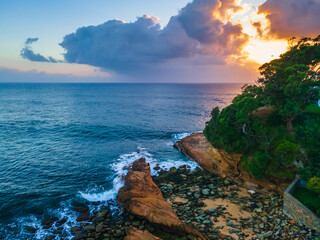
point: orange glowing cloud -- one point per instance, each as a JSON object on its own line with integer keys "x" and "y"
{"x": 288, "y": 18}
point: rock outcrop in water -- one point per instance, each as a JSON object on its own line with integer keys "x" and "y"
{"x": 199, "y": 149}
{"x": 141, "y": 197}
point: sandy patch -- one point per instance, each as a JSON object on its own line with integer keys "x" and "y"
{"x": 233, "y": 212}
{"x": 243, "y": 193}
{"x": 180, "y": 200}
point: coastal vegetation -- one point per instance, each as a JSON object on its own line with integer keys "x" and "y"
{"x": 275, "y": 124}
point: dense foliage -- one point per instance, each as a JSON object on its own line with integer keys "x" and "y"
{"x": 314, "y": 184}
{"x": 276, "y": 123}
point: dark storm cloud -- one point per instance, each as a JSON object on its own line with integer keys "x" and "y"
{"x": 28, "y": 53}
{"x": 200, "y": 29}
{"x": 288, "y": 18}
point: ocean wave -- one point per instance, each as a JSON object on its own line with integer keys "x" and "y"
{"x": 178, "y": 136}
{"x": 96, "y": 198}
{"x": 120, "y": 167}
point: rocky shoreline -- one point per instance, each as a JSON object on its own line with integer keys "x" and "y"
{"x": 183, "y": 205}
{"x": 216, "y": 161}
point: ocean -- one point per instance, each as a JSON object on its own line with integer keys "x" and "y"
{"x": 65, "y": 145}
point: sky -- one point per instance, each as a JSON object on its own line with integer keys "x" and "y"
{"x": 175, "y": 41}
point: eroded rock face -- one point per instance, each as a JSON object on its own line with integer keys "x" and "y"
{"x": 217, "y": 161}
{"x": 142, "y": 198}
{"x": 136, "y": 234}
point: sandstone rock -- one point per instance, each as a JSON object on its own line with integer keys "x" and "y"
{"x": 135, "y": 234}
{"x": 226, "y": 165}
{"x": 216, "y": 161}
{"x": 142, "y": 198}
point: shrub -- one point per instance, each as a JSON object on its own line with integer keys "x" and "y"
{"x": 314, "y": 184}
{"x": 259, "y": 164}
{"x": 288, "y": 150}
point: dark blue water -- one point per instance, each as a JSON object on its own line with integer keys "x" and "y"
{"x": 61, "y": 144}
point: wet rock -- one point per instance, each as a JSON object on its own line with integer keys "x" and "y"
{"x": 62, "y": 221}
{"x": 98, "y": 219}
{"x": 99, "y": 227}
{"x": 81, "y": 210}
{"x": 156, "y": 167}
{"x": 90, "y": 228}
{"x": 85, "y": 216}
{"x": 74, "y": 229}
{"x": 32, "y": 229}
{"x": 50, "y": 237}
{"x": 173, "y": 170}
{"x": 49, "y": 221}
{"x": 80, "y": 235}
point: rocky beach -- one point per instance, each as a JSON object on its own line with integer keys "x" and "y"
{"x": 184, "y": 204}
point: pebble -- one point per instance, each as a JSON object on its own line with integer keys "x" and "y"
{"x": 229, "y": 223}
{"x": 205, "y": 191}
{"x": 268, "y": 234}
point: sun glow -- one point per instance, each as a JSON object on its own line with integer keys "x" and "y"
{"x": 260, "y": 48}
{"x": 265, "y": 51}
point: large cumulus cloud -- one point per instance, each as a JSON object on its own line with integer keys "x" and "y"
{"x": 201, "y": 29}
{"x": 287, "y": 18}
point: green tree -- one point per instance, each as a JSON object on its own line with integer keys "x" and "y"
{"x": 290, "y": 83}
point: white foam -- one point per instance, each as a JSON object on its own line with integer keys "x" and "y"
{"x": 166, "y": 165}
{"x": 120, "y": 167}
{"x": 178, "y": 136}
{"x": 22, "y": 223}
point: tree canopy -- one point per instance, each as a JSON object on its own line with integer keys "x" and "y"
{"x": 290, "y": 83}
{"x": 275, "y": 123}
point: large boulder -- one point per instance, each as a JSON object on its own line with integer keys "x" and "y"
{"x": 214, "y": 160}
{"x": 141, "y": 197}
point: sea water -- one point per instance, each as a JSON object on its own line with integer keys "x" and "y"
{"x": 62, "y": 145}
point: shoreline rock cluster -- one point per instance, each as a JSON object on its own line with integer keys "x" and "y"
{"x": 219, "y": 202}
{"x": 218, "y": 208}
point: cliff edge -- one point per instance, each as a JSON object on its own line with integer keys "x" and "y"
{"x": 216, "y": 161}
